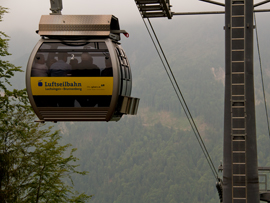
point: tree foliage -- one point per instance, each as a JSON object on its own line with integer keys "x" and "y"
{"x": 34, "y": 166}
{"x": 131, "y": 162}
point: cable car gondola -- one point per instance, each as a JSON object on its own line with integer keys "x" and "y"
{"x": 78, "y": 70}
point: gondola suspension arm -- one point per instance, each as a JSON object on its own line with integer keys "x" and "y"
{"x": 56, "y": 7}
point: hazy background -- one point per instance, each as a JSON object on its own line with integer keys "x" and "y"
{"x": 23, "y": 18}
{"x": 152, "y": 157}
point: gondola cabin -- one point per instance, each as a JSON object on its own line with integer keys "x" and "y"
{"x": 78, "y": 71}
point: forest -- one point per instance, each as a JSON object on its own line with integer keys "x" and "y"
{"x": 154, "y": 157}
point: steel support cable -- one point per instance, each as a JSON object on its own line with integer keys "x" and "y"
{"x": 260, "y": 60}
{"x": 179, "y": 97}
{"x": 184, "y": 106}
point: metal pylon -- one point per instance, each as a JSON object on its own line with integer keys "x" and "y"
{"x": 240, "y": 175}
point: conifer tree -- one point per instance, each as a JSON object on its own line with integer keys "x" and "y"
{"x": 33, "y": 167}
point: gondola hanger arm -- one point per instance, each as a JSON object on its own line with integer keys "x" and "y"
{"x": 56, "y": 7}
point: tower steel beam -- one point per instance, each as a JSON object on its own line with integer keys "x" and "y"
{"x": 212, "y": 12}
{"x": 261, "y": 3}
{"x": 154, "y": 8}
{"x": 240, "y": 166}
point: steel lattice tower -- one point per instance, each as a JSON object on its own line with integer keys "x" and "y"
{"x": 240, "y": 166}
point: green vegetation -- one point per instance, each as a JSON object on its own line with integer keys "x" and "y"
{"x": 131, "y": 162}
{"x": 33, "y": 164}
{"x": 154, "y": 157}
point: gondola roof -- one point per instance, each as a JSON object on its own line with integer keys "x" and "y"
{"x": 79, "y": 25}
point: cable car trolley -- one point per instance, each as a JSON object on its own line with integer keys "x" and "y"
{"x": 78, "y": 71}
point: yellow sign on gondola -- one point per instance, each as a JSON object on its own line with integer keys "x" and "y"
{"x": 72, "y": 85}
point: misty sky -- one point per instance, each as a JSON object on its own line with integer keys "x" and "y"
{"x": 25, "y": 14}
{"x": 23, "y": 18}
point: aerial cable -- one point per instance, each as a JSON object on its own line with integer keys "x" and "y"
{"x": 185, "y": 107}
{"x": 260, "y": 60}
{"x": 185, "y": 104}
{"x": 179, "y": 93}
{"x": 211, "y": 166}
